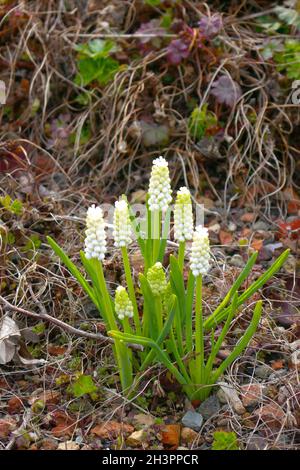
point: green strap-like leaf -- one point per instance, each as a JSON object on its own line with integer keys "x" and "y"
{"x": 214, "y": 319}
{"x": 72, "y": 268}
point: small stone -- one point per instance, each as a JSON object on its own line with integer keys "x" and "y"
{"x": 68, "y": 445}
{"x": 192, "y": 420}
{"x": 210, "y": 406}
{"x": 214, "y": 228}
{"x": 237, "y": 261}
{"x": 260, "y": 225}
{"x": 188, "y": 435}
{"x": 294, "y": 361}
{"x": 263, "y": 371}
{"x": 232, "y": 227}
{"x": 136, "y": 438}
{"x": 251, "y": 394}
{"x": 257, "y": 443}
{"x": 229, "y": 395}
{"x": 143, "y": 420}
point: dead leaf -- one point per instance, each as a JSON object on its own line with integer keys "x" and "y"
{"x": 171, "y": 435}
{"x": 277, "y": 365}
{"x": 56, "y": 350}
{"x": 49, "y": 397}
{"x": 272, "y": 415}
{"x": 9, "y": 339}
{"x": 248, "y": 217}
{"x": 225, "y": 237}
{"x": 111, "y": 429}
{"x": 14, "y": 404}
{"x": 257, "y": 244}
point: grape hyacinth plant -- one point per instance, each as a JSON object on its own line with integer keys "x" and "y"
{"x": 164, "y": 311}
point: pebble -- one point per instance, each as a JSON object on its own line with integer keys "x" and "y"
{"x": 143, "y": 420}
{"x": 188, "y": 435}
{"x": 228, "y": 394}
{"x": 260, "y": 225}
{"x": 192, "y": 420}
{"x": 210, "y": 407}
{"x": 236, "y": 260}
{"x": 251, "y": 394}
{"x": 263, "y": 371}
{"x": 136, "y": 438}
{"x": 68, "y": 445}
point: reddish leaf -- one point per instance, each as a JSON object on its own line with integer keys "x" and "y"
{"x": 14, "y": 405}
{"x": 171, "y": 436}
{"x": 111, "y": 429}
{"x": 225, "y": 237}
{"x": 291, "y": 229}
{"x": 257, "y": 244}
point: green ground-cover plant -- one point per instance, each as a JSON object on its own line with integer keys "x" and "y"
{"x": 95, "y": 63}
{"x": 170, "y": 325}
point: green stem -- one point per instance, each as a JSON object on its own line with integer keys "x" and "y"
{"x": 121, "y": 351}
{"x": 181, "y": 252}
{"x": 156, "y": 235}
{"x": 199, "y": 340}
{"x": 131, "y": 289}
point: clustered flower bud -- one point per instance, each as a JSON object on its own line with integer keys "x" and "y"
{"x": 95, "y": 241}
{"x": 122, "y": 225}
{"x": 123, "y": 304}
{"x": 160, "y": 186}
{"x": 183, "y": 216}
{"x": 157, "y": 279}
{"x": 200, "y": 254}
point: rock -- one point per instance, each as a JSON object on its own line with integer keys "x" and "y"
{"x": 111, "y": 429}
{"x": 260, "y": 225}
{"x": 210, "y": 406}
{"x": 192, "y": 420}
{"x": 136, "y": 438}
{"x": 188, "y": 435}
{"x": 294, "y": 361}
{"x": 272, "y": 415}
{"x": 251, "y": 394}
{"x": 214, "y": 228}
{"x": 143, "y": 420}
{"x": 263, "y": 371}
{"x": 228, "y": 394}
{"x": 232, "y": 227}
{"x": 257, "y": 443}
{"x": 68, "y": 445}
{"x": 237, "y": 261}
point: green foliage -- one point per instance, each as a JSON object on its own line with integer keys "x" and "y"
{"x": 83, "y": 385}
{"x": 95, "y": 63}
{"x": 288, "y": 60}
{"x": 165, "y": 329}
{"x": 200, "y": 120}
{"x": 225, "y": 441}
{"x": 14, "y": 207}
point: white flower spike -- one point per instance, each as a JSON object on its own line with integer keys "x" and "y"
{"x": 183, "y": 216}
{"x": 95, "y": 241}
{"x": 200, "y": 255}
{"x": 123, "y": 304}
{"x": 122, "y": 225}
{"x": 160, "y": 186}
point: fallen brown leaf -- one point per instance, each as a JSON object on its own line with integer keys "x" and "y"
{"x": 171, "y": 435}
{"x": 111, "y": 430}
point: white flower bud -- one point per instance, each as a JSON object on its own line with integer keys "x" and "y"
{"x": 183, "y": 216}
{"x": 122, "y": 225}
{"x": 159, "y": 186}
{"x": 95, "y": 241}
{"x": 123, "y": 304}
{"x": 200, "y": 255}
